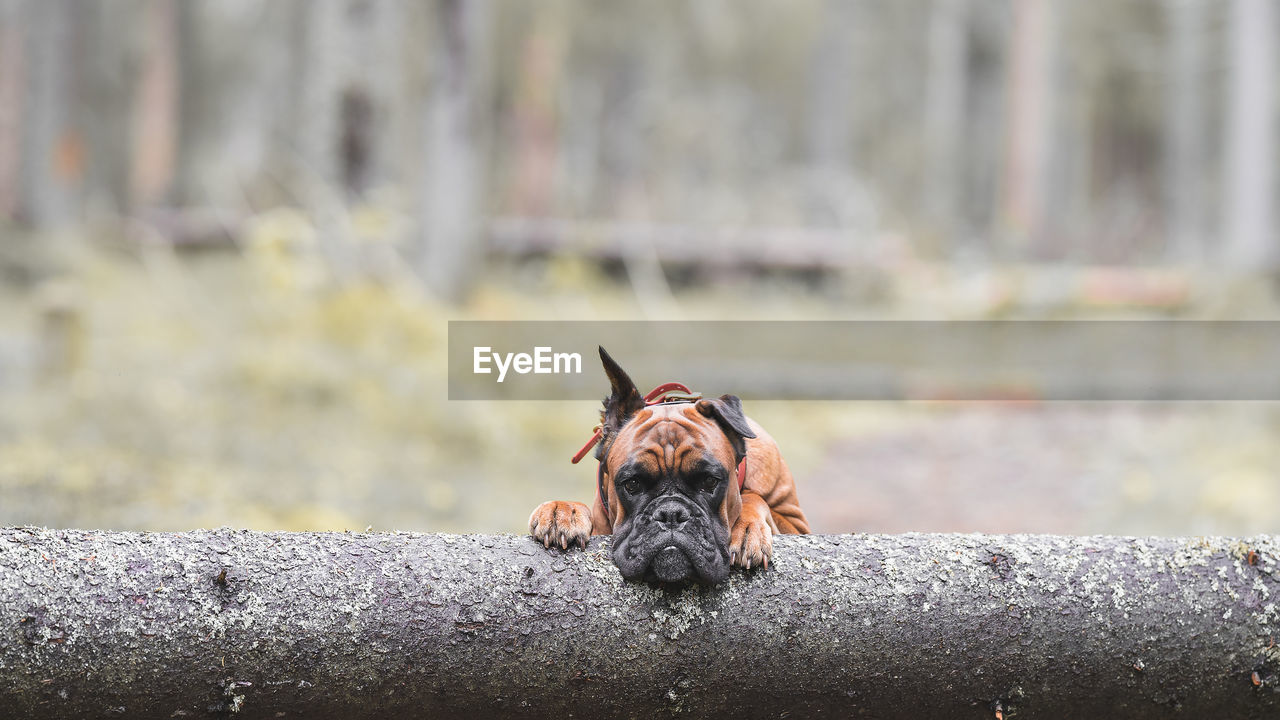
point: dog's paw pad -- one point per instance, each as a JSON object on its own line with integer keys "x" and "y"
{"x": 751, "y": 544}
{"x": 561, "y": 524}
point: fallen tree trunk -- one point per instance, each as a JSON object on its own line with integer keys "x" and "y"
{"x": 340, "y": 625}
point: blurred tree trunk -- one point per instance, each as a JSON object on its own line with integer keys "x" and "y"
{"x": 1185, "y": 131}
{"x": 1251, "y": 136}
{"x": 359, "y": 98}
{"x": 366, "y": 107}
{"x": 225, "y": 54}
{"x": 155, "y": 106}
{"x": 11, "y": 101}
{"x": 833, "y": 116}
{"x": 111, "y": 66}
{"x": 1074, "y": 147}
{"x": 535, "y": 114}
{"x": 310, "y": 130}
{"x": 831, "y": 113}
{"x": 833, "y": 80}
{"x": 945, "y": 116}
{"x": 981, "y": 165}
{"x": 52, "y": 154}
{"x": 392, "y": 97}
{"x": 453, "y": 194}
{"x": 626, "y": 112}
{"x": 194, "y": 106}
{"x": 1028, "y": 126}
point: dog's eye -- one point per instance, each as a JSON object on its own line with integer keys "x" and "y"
{"x": 708, "y": 482}
{"x": 631, "y": 485}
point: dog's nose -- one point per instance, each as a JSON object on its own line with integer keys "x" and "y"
{"x": 672, "y": 515}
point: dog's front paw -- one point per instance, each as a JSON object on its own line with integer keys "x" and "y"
{"x": 557, "y": 522}
{"x": 750, "y": 544}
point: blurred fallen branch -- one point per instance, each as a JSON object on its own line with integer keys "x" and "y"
{"x": 718, "y": 247}
{"x": 203, "y": 227}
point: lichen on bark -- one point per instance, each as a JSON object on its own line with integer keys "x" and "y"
{"x": 354, "y": 625}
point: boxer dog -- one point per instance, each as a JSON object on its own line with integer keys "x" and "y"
{"x": 673, "y": 488}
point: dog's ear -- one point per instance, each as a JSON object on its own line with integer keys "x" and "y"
{"x": 624, "y": 400}
{"x": 726, "y": 410}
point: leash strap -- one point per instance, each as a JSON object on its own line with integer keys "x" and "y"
{"x": 666, "y": 392}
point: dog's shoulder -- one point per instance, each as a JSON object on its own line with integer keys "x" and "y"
{"x": 769, "y": 477}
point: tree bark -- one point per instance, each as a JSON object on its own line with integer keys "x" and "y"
{"x": 348, "y": 625}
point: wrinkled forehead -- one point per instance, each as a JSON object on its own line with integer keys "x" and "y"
{"x": 675, "y": 436}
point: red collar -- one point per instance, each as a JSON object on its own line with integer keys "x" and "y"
{"x": 672, "y": 392}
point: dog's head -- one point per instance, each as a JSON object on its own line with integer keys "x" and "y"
{"x": 669, "y": 481}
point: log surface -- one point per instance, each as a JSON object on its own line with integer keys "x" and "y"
{"x": 348, "y": 625}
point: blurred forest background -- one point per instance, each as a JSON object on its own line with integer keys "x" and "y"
{"x": 232, "y": 233}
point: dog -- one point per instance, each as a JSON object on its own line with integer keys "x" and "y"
{"x": 674, "y": 491}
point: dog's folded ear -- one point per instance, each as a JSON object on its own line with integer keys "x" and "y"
{"x": 726, "y": 410}
{"x": 624, "y": 400}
